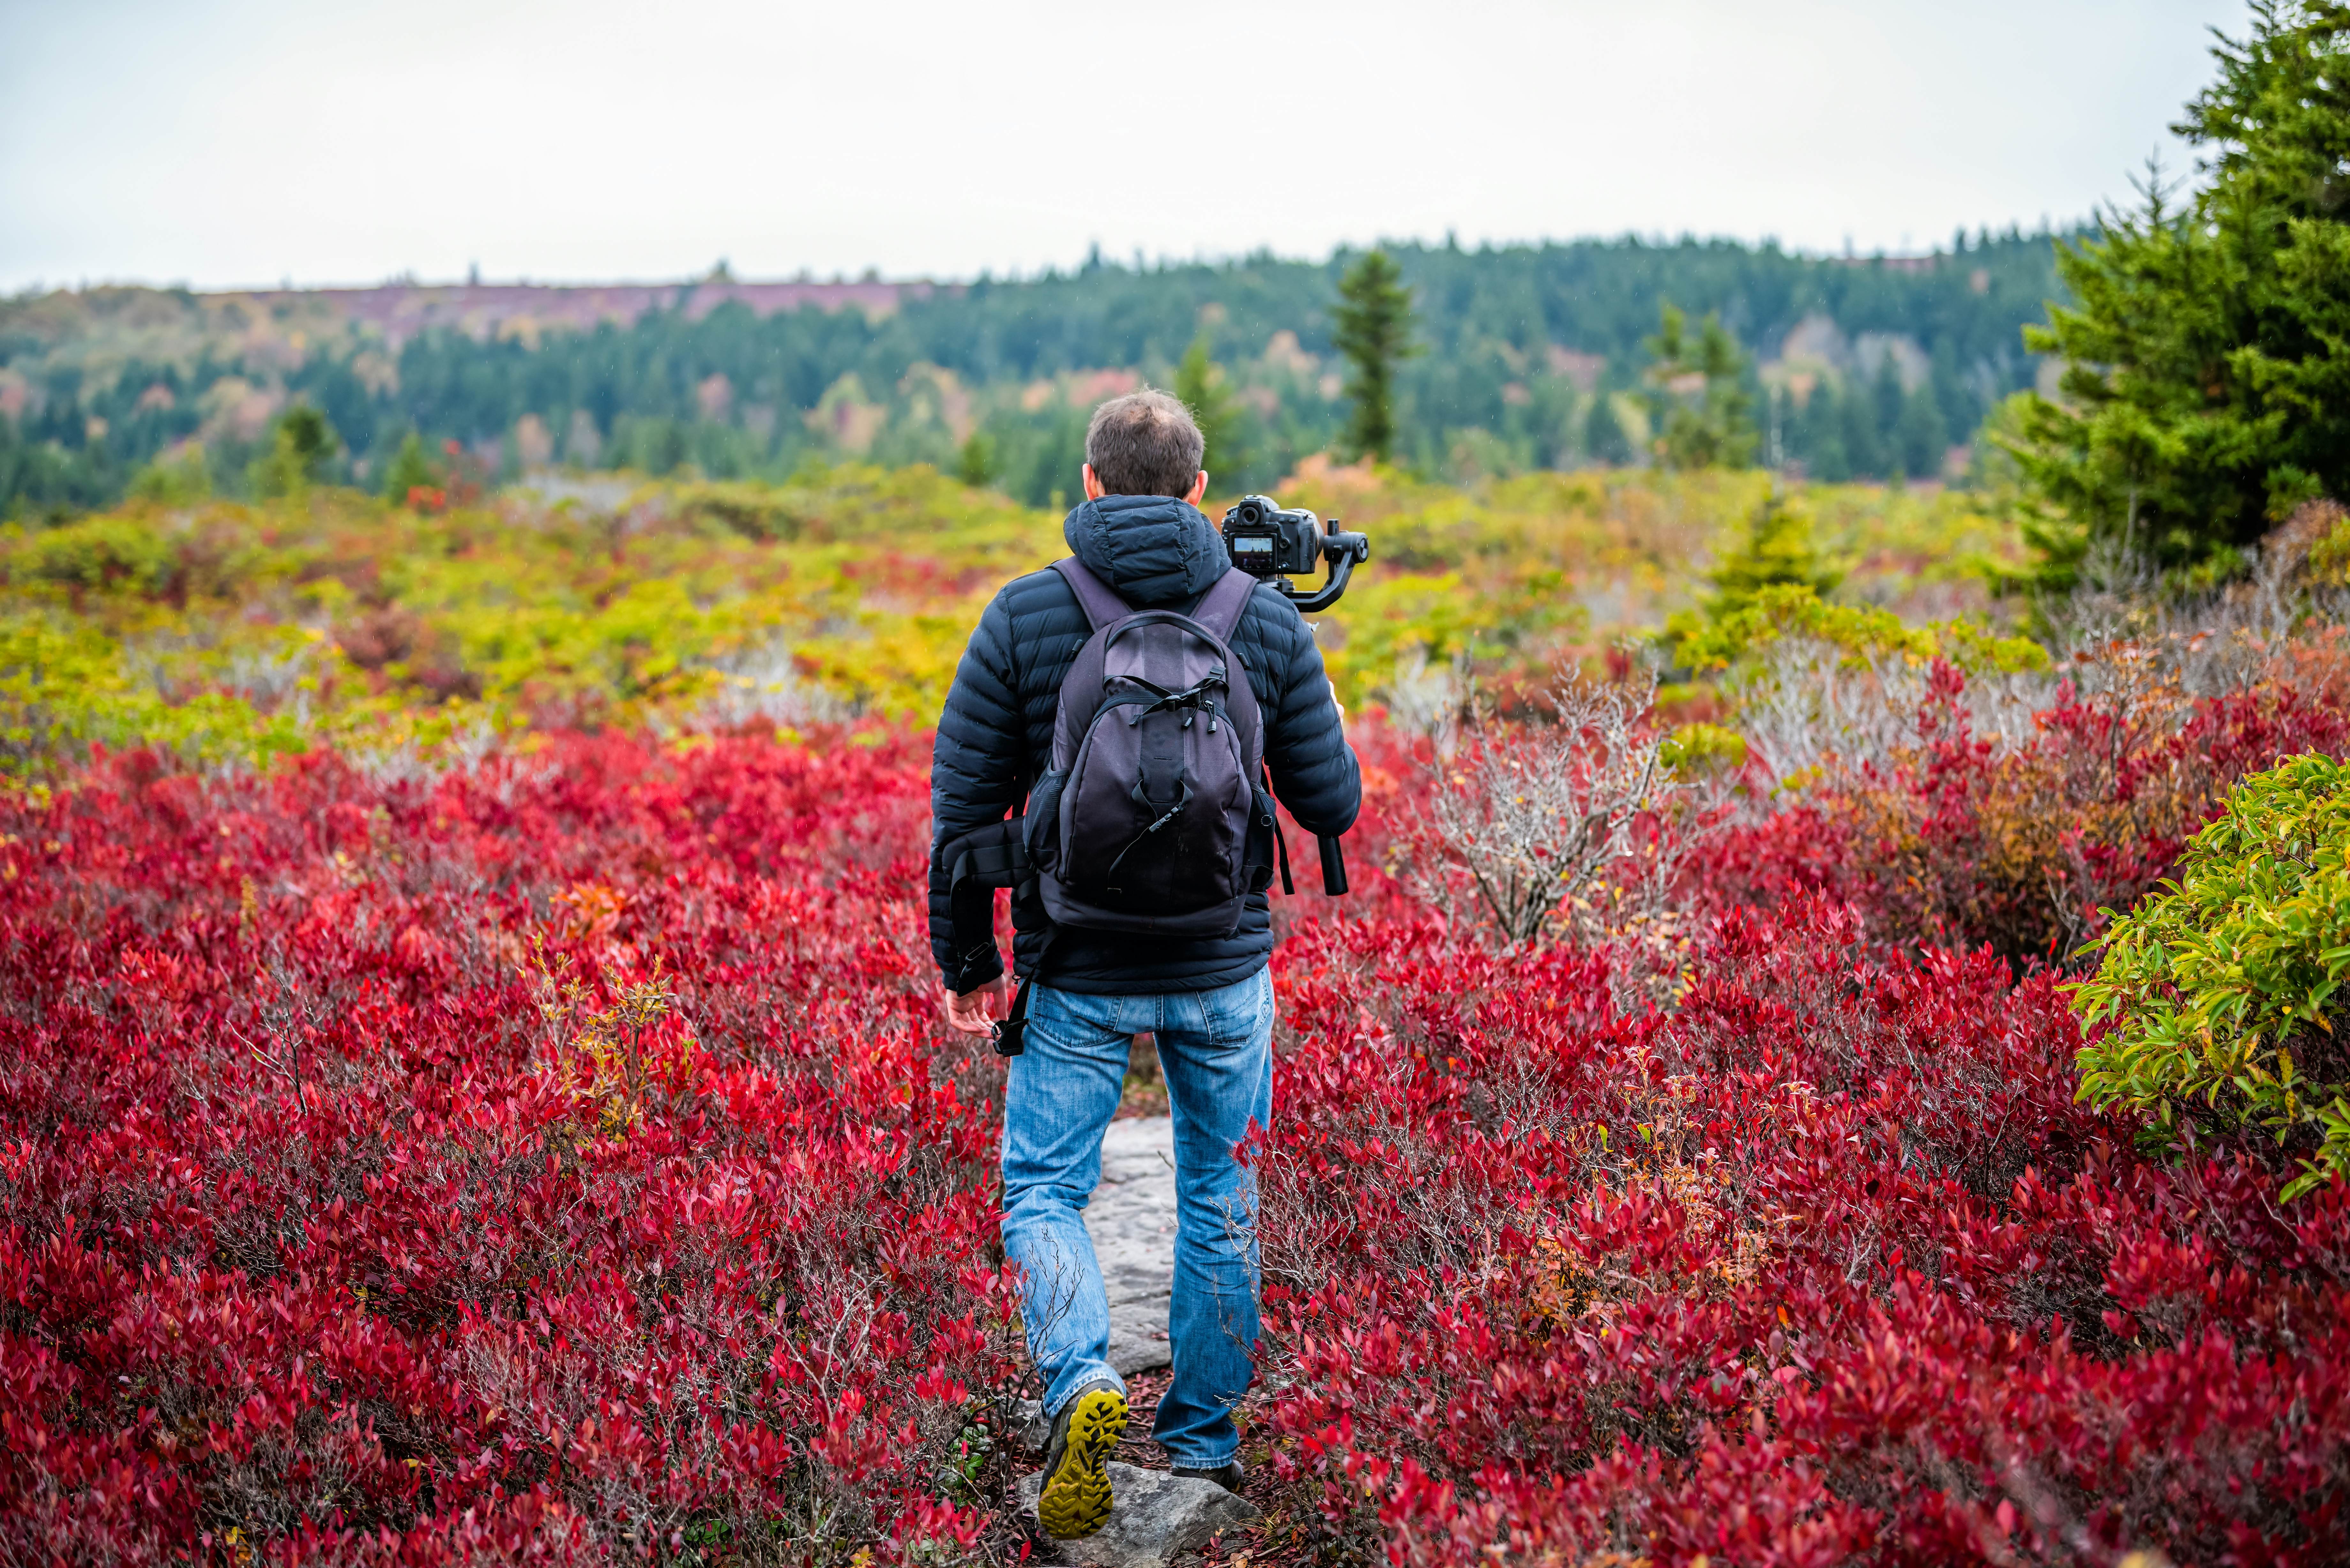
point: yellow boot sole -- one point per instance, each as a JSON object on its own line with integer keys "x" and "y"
{"x": 1076, "y": 1499}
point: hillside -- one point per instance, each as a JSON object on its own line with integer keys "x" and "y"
{"x": 1865, "y": 367}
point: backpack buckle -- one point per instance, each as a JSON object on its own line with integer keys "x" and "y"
{"x": 1009, "y": 1037}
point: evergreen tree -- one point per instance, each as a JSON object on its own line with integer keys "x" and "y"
{"x": 1705, "y": 417}
{"x": 300, "y": 447}
{"x": 1604, "y": 441}
{"x": 409, "y": 471}
{"x": 2207, "y": 381}
{"x": 1201, "y": 387}
{"x": 975, "y": 462}
{"x": 1862, "y": 449}
{"x": 1885, "y": 397}
{"x": 1373, "y": 330}
{"x": 1826, "y": 458}
{"x": 1778, "y": 550}
{"x": 1922, "y": 437}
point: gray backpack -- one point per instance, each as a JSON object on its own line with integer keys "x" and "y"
{"x": 1153, "y": 817}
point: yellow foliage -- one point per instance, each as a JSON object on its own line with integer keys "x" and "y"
{"x": 231, "y": 633}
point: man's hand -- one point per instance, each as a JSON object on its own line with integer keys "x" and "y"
{"x": 976, "y": 1012}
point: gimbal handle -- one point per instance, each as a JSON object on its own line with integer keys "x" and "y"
{"x": 1334, "y": 868}
{"x": 1343, "y": 551}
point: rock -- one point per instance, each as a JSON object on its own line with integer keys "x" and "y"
{"x": 1131, "y": 1219}
{"x": 1158, "y": 1517}
{"x": 1034, "y": 1430}
{"x": 1137, "y": 1335}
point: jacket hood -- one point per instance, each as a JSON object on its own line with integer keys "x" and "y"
{"x": 1151, "y": 549}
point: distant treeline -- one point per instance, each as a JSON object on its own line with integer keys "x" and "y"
{"x": 1531, "y": 358}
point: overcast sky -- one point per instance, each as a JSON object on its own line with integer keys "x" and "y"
{"x": 221, "y": 143}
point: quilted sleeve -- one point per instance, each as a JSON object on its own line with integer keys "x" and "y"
{"x": 974, "y": 780}
{"x": 1313, "y": 769}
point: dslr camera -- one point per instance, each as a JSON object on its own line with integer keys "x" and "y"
{"x": 1274, "y": 544}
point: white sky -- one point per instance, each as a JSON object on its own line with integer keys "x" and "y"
{"x": 222, "y": 142}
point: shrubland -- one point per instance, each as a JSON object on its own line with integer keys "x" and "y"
{"x": 480, "y": 1098}
{"x": 230, "y": 630}
{"x": 551, "y": 1159}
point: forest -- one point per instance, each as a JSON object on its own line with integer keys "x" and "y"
{"x": 1531, "y": 358}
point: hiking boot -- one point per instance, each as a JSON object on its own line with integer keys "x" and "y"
{"x": 1075, "y": 1496}
{"x": 1227, "y": 1475}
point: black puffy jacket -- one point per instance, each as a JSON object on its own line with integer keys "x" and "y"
{"x": 997, "y": 732}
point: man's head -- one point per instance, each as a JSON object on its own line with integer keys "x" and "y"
{"x": 1144, "y": 443}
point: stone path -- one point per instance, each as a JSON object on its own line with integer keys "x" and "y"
{"x": 1159, "y": 1518}
{"x": 1132, "y": 1222}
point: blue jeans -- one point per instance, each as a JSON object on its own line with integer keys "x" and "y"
{"x": 1216, "y": 1047}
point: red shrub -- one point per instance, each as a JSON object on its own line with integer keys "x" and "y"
{"x": 1958, "y": 842}
{"x": 558, "y": 1161}
{"x": 1827, "y": 1264}
{"x": 315, "y": 1223}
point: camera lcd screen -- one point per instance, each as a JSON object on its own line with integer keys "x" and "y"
{"x": 1246, "y": 545}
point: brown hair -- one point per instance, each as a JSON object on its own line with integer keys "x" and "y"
{"x": 1144, "y": 443}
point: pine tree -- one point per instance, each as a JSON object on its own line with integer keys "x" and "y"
{"x": 1373, "y": 323}
{"x": 975, "y": 462}
{"x": 409, "y": 471}
{"x": 1922, "y": 436}
{"x": 1862, "y": 450}
{"x": 2207, "y": 381}
{"x": 1885, "y": 400}
{"x": 1778, "y": 550}
{"x": 1826, "y": 457}
{"x": 1705, "y": 418}
{"x": 1201, "y": 387}
{"x": 300, "y": 447}
{"x": 1604, "y": 439}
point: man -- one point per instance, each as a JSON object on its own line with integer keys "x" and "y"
{"x": 1208, "y": 1000}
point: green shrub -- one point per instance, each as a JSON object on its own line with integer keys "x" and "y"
{"x": 1703, "y": 748}
{"x": 109, "y": 554}
{"x": 174, "y": 481}
{"x": 1778, "y": 550}
{"x": 1778, "y": 611}
{"x": 2221, "y": 991}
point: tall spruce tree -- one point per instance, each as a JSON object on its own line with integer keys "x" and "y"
{"x": 2206, "y": 388}
{"x": 1604, "y": 441}
{"x": 1374, "y": 332}
{"x": 1864, "y": 452}
{"x": 1203, "y": 389}
{"x": 1923, "y": 435}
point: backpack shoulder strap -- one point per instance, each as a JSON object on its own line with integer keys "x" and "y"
{"x": 1219, "y": 613}
{"x": 1225, "y": 603}
{"x": 1102, "y": 607}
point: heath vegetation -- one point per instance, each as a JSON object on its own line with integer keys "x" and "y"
{"x": 1834, "y": 1053}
